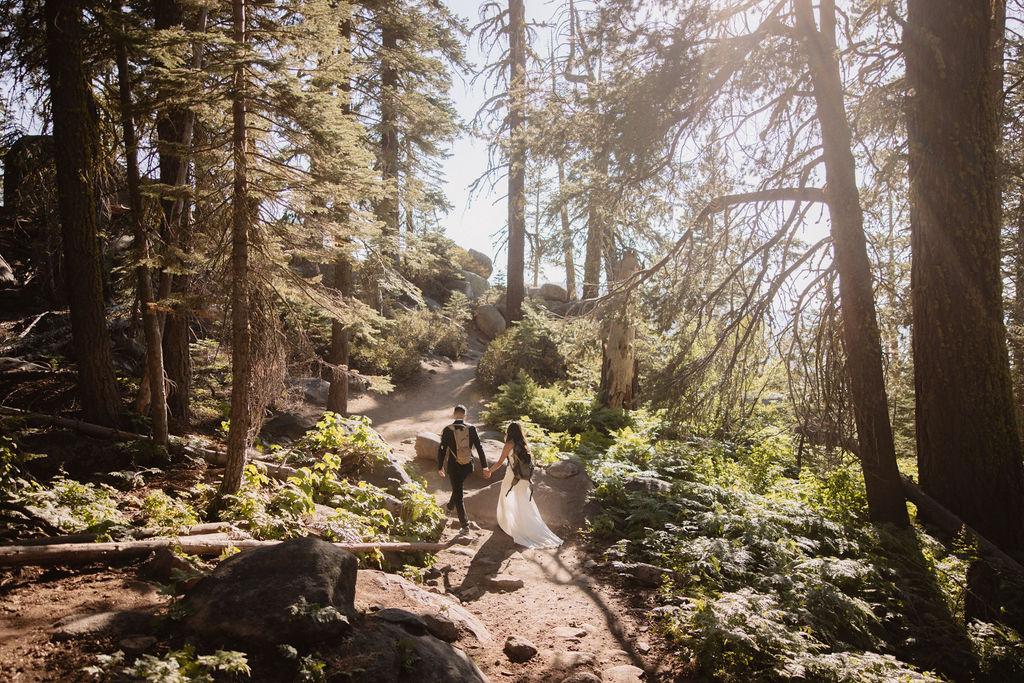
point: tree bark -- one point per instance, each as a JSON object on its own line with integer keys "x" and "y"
{"x": 388, "y": 208}
{"x": 76, "y": 142}
{"x": 968, "y": 446}
{"x": 196, "y": 545}
{"x": 241, "y": 363}
{"x": 597, "y": 226}
{"x": 150, "y": 322}
{"x": 515, "y": 289}
{"x": 174, "y": 137}
{"x": 567, "y": 244}
{"x": 618, "y": 368}
{"x": 861, "y": 337}
{"x": 337, "y": 396}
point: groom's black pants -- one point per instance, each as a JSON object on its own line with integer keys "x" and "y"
{"x": 457, "y": 475}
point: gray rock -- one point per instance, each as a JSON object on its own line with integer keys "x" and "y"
{"x": 505, "y": 582}
{"x": 567, "y": 661}
{"x": 432, "y": 304}
{"x": 404, "y": 618}
{"x": 483, "y": 262}
{"x": 647, "y": 485}
{"x": 553, "y": 292}
{"x": 391, "y": 654}
{"x": 287, "y": 426}
{"x": 665, "y": 610}
{"x": 490, "y": 320}
{"x": 563, "y": 469}
{"x": 625, "y": 673}
{"x": 650, "y": 575}
{"x": 568, "y": 632}
{"x": 582, "y": 677}
{"x": 88, "y": 625}
{"x": 427, "y": 445}
{"x": 389, "y": 475}
{"x": 441, "y": 626}
{"x": 460, "y": 285}
{"x": 251, "y": 597}
{"x": 312, "y": 389}
{"x": 478, "y": 284}
{"x": 643, "y": 647}
{"x": 396, "y": 591}
{"x": 162, "y": 565}
{"x": 519, "y": 649}
{"x": 133, "y": 645}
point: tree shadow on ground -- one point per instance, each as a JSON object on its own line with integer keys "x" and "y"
{"x": 930, "y": 635}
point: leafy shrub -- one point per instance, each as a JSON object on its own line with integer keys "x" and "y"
{"x": 75, "y": 507}
{"x": 574, "y": 411}
{"x": 351, "y": 439}
{"x": 177, "y": 666}
{"x": 532, "y": 345}
{"x": 400, "y": 343}
{"x": 166, "y": 514}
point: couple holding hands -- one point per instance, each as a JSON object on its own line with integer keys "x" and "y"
{"x": 518, "y": 515}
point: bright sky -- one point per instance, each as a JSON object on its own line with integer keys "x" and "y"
{"x": 471, "y": 224}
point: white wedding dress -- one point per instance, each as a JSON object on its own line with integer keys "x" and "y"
{"x": 519, "y": 517}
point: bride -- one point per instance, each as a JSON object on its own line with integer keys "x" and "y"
{"x": 518, "y": 515}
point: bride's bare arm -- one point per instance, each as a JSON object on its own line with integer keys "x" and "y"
{"x": 504, "y": 454}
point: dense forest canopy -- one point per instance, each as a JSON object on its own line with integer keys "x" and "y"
{"x": 799, "y": 216}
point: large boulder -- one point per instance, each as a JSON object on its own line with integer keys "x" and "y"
{"x": 376, "y": 588}
{"x": 427, "y": 445}
{"x": 490, "y": 321}
{"x": 478, "y": 284}
{"x": 561, "y": 501}
{"x": 460, "y": 285}
{"x": 275, "y": 594}
{"x": 389, "y": 652}
{"x": 312, "y": 389}
{"x": 481, "y": 264}
{"x": 553, "y": 292}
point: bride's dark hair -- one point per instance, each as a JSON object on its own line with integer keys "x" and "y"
{"x": 515, "y": 434}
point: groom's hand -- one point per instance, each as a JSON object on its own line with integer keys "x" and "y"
{"x": 487, "y": 474}
{"x": 441, "y": 472}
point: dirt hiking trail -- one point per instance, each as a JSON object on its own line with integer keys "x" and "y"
{"x": 587, "y": 622}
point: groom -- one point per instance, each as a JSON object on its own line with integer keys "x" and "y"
{"x": 456, "y": 456}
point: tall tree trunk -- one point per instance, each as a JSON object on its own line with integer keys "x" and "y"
{"x": 174, "y": 136}
{"x": 618, "y": 367}
{"x": 597, "y": 226}
{"x": 388, "y": 208}
{"x": 337, "y": 396}
{"x": 861, "y": 337}
{"x": 241, "y": 370}
{"x": 567, "y": 245}
{"x": 968, "y": 446}
{"x": 150, "y": 322}
{"x": 515, "y": 290}
{"x": 76, "y": 143}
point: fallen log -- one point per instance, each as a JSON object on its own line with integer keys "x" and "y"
{"x": 213, "y": 544}
{"x": 939, "y": 515}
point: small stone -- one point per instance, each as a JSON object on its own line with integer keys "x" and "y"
{"x": 136, "y": 644}
{"x": 568, "y": 632}
{"x": 589, "y": 563}
{"x": 626, "y": 673}
{"x": 519, "y": 649}
{"x": 471, "y": 593}
{"x": 651, "y": 485}
{"x": 441, "y": 626}
{"x": 643, "y": 647}
{"x": 665, "y": 610}
{"x": 506, "y": 582}
{"x": 468, "y": 552}
{"x": 582, "y": 677}
{"x": 404, "y": 618}
{"x": 463, "y": 539}
{"x": 565, "y": 661}
{"x": 589, "y": 628}
{"x": 650, "y": 575}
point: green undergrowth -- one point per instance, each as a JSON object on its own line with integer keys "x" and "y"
{"x": 318, "y": 498}
{"x": 775, "y": 573}
{"x": 775, "y": 577}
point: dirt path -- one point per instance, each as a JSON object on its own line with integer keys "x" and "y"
{"x": 581, "y": 618}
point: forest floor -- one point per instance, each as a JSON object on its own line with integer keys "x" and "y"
{"x": 581, "y": 616}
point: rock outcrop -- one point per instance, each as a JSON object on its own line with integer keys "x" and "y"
{"x": 490, "y": 320}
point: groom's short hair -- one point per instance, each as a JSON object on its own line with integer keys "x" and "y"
{"x": 460, "y": 409}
